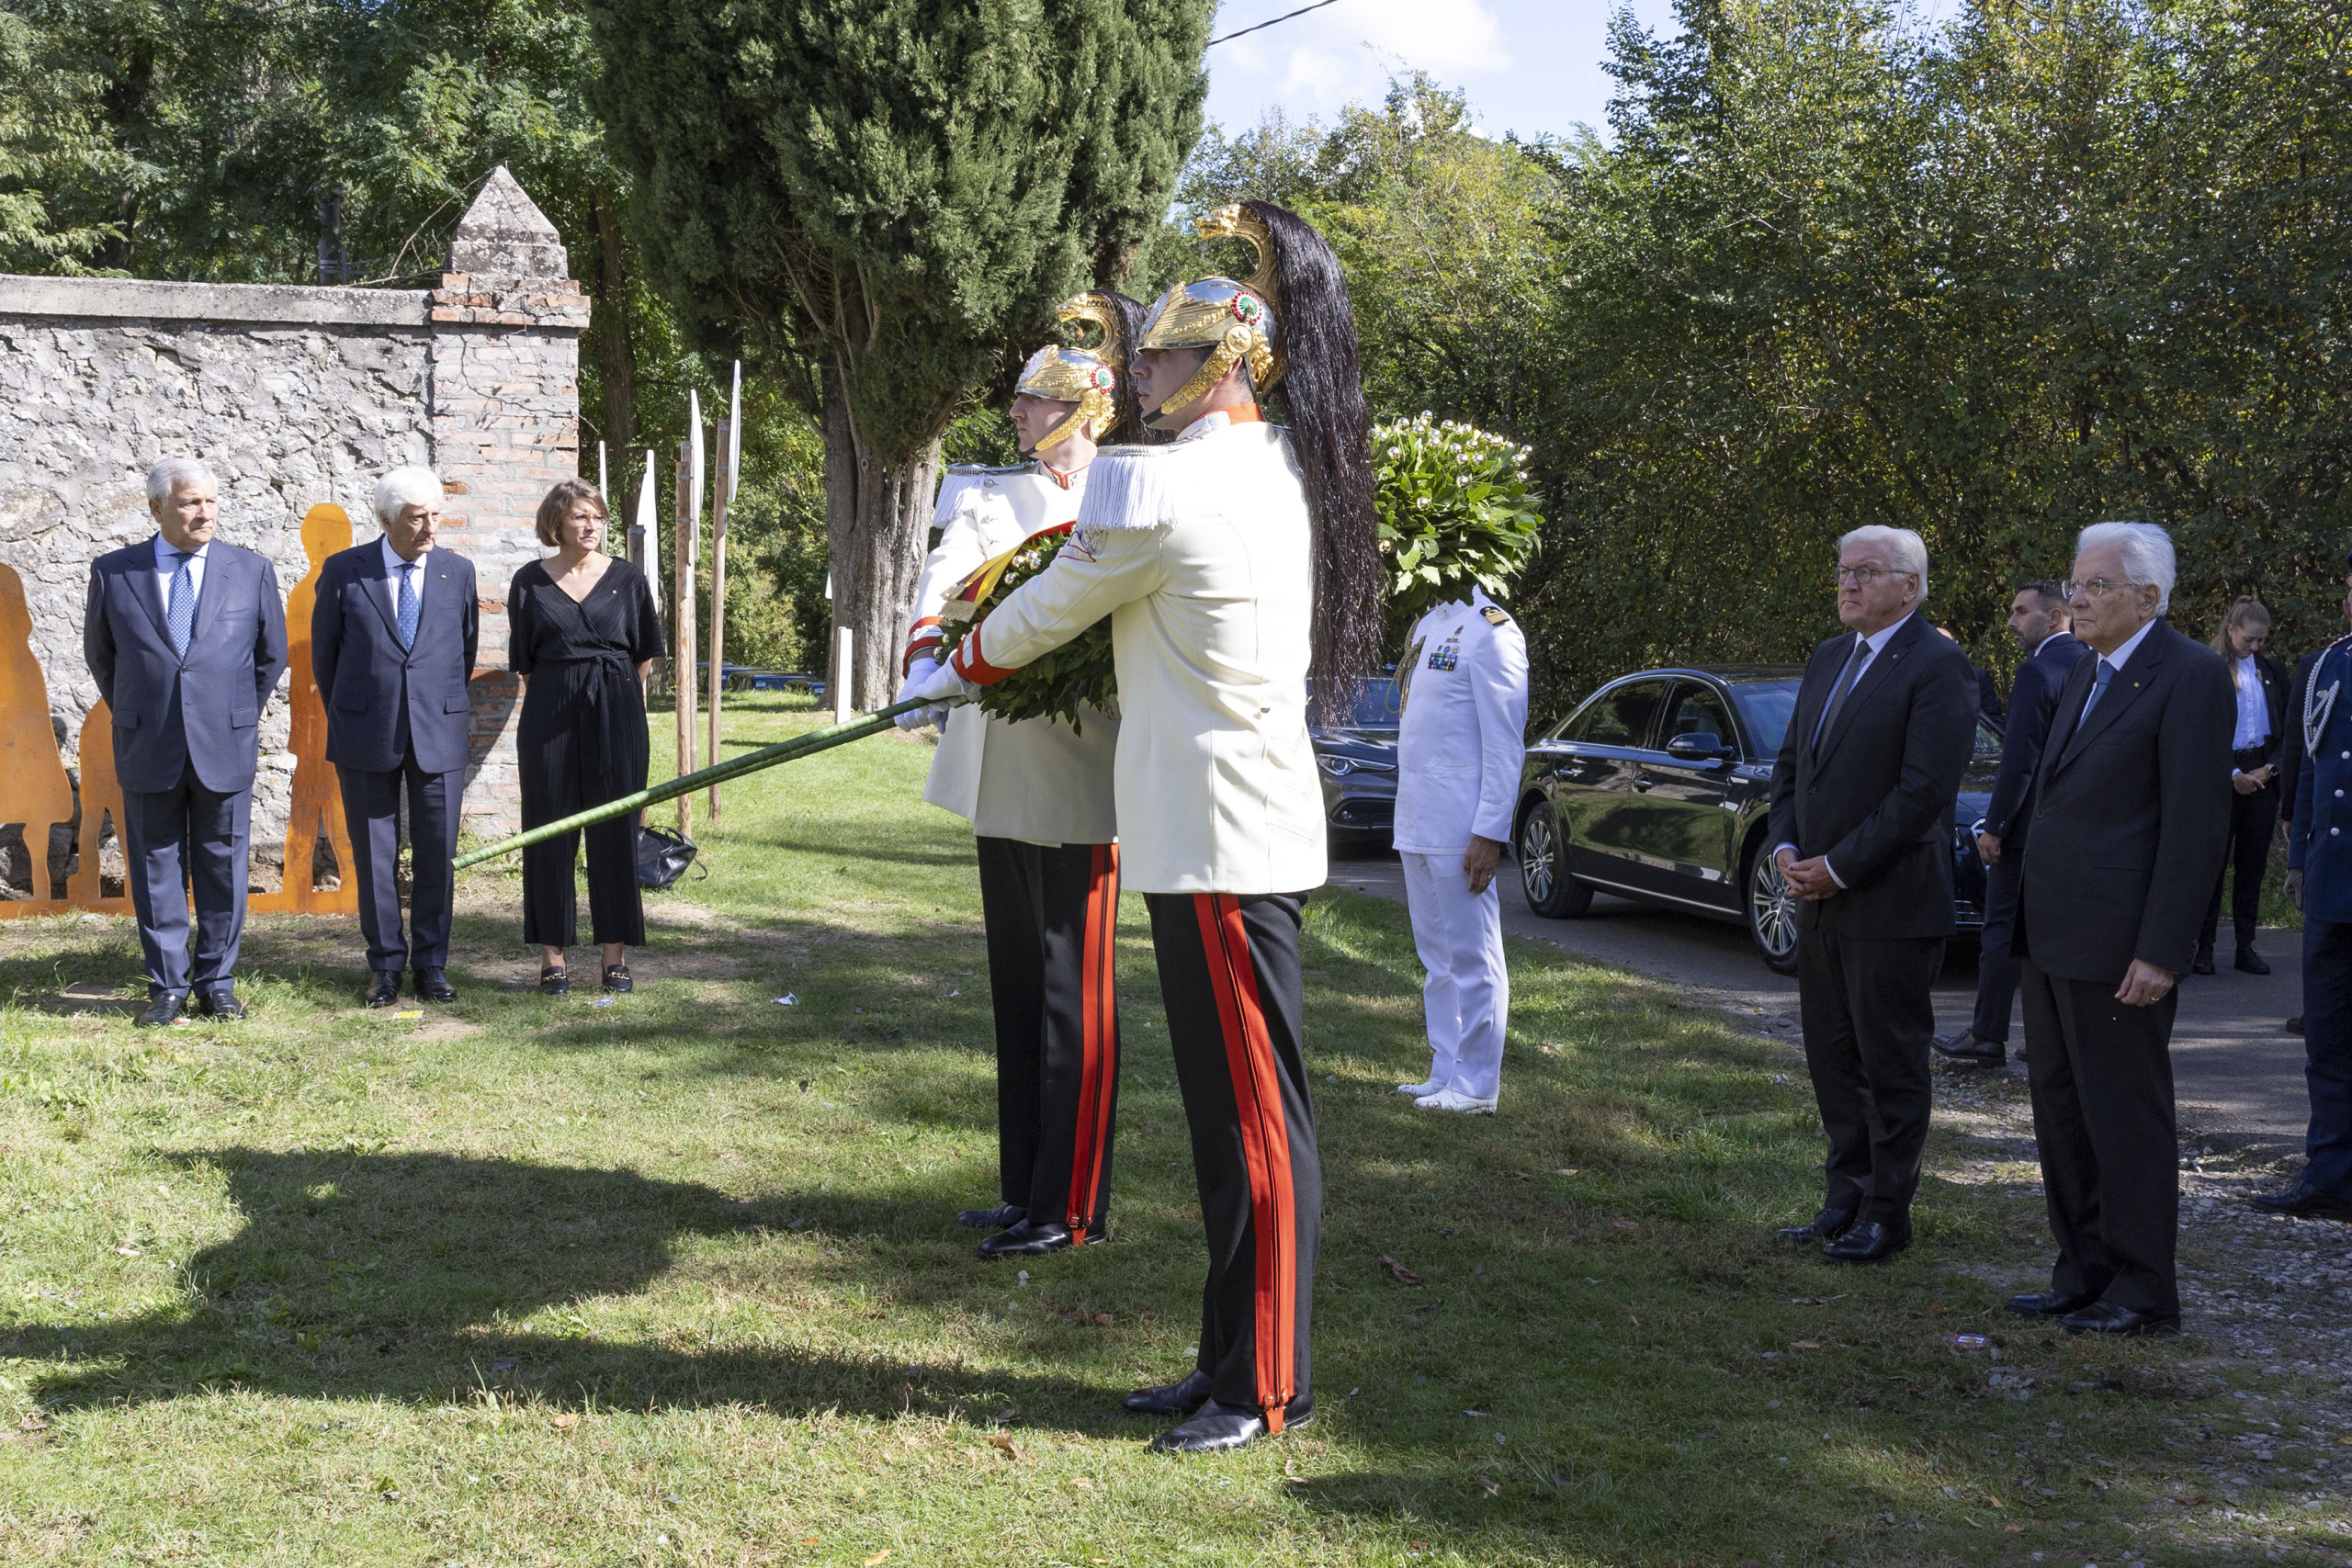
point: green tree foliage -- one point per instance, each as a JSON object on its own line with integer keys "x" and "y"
{"x": 891, "y": 198}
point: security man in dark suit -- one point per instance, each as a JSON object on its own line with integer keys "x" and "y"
{"x": 2044, "y": 627}
{"x": 2318, "y": 882}
{"x": 2258, "y": 745}
{"x": 1861, "y": 820}
{"x": 392, "y": 642}
{"x": 2129, "y": 805}
{"x": 186, "y": 637}
{"x": 2296, "y": 753}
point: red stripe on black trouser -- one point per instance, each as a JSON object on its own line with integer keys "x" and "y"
{"x": 1229, "y": 980}
{"x": 1052, "y": 915}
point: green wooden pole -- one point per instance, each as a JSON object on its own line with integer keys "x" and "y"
{"x": 816, "y": 740}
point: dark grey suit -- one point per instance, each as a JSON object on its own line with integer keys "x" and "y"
{"x": 187, "y": 742}
{"x": 1874, "y": 793}
{"x": 2033, "y": 697}
{"x": 398, "y": 716}
{"x": 2129, "y": 808}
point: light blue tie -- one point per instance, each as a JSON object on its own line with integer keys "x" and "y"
{"x": 2099, "y": 689}
{"x": 179, "y": 611}
{"x": 408, "y": 605}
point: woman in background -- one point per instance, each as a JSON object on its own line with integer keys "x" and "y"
{"x": 582, "y": 629}
{"x": 2255, "y": 749}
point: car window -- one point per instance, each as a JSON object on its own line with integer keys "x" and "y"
{"x": 1985, "y": 763}
{"x": 1767, "y": 707}
{"x": 1620, "y": 715}
{"x": 1696, "y": 711}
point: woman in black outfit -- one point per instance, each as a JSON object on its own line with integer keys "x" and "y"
{"x": 582, "y": 629}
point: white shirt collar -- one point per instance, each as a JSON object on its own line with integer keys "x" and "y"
{"x": 2046, "y": 642}
{"x": 1216, "y": 419}
{"x": 165, "y": 549}
{"x": 1877, "y": 640}
{"x": 2130, "y": 645}
{"x": 392, "y": 562}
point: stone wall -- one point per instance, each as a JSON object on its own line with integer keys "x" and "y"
{"x": 294, "y": 396}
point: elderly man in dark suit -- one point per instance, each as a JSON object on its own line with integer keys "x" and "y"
{"x": 392, "y": 642}
{"x": 2044, "y": 627}
{"x": 186, "y": 637}
{"x": 1861, "y": 820}
{"x": 2129, "y": 808}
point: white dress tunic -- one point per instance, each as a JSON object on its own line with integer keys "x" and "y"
{"x": 1037, "y": 781}
{"x": 1198, "y": 552}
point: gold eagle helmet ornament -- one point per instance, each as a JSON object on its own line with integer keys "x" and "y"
{"x": 1232, "y": 320}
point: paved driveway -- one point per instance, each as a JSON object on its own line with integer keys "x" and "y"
{"x": 2239, "y": 1073}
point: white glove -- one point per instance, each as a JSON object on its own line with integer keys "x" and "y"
{"x": 937, "y": 686}
{"x": 917, "y": 672}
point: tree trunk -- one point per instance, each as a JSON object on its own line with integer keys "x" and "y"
{"x": 616, "y": 345}
{"x": 877, "y": 529}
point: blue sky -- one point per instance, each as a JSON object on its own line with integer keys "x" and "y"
{"x": 1529, "y": 65}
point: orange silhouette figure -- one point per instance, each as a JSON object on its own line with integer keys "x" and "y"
{"x": 101, "y": 798}
{"x": 34, "y": 789}
{"x": 318, "y": 796}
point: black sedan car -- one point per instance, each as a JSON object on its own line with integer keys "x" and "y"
{"x": 1357, "y": 760}
{"x": 1657, "y": 786}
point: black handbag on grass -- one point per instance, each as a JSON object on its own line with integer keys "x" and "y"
{"x": 662, "y": 857}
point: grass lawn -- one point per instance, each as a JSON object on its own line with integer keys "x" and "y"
{"x": 676, "y": 1279}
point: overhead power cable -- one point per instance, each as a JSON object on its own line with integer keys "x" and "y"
{"x": 1261, "y": 26}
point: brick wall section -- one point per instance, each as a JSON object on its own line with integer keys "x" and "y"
{"x": 294, "y": 396}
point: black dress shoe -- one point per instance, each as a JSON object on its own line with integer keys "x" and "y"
{"x": 2106, "y": 1317}
{"x": 1965, "y": 1050}
{"x": 431, "y": 986}
{"x": 617, "y": 979}
{"x": 383, "y": 988}
{"x": 2203, "y": 963}
{"x": 1032, "y": 1238}
{"x": 1826, "y": 1225}
{"x": 2295, "y": 1024}
{"x": 2305, "y": 1201}
{"x": 2250, "y": 962}
{"x": 554, "y": 982}
{"x": 161, "y": 1010}
{"x": 1868, "y": 1242}
{"x": 2047, "y": 1304}
{"x": 1218, "y": 1428}
{"x": 1171, "y": 1398}
{"x": 1003, "y": 1214}
{"x": 220, "y": 1003}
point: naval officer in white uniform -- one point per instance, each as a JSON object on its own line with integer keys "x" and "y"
{"x": 1459, "y": 750}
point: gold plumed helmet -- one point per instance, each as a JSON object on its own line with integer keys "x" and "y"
{"x": 1082, "y": 376}
{"x": 1232, "y": 320}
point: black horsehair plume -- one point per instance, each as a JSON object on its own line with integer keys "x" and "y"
{"x": 1127, "y": 428}
{"x": 1322, "y": 396}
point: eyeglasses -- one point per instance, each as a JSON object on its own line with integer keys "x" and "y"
{"x": 2096, "y": 588}
{"x": 1863, "y": 576}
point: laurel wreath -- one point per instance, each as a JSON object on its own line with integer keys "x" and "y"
{"x": 1078, "y": 674}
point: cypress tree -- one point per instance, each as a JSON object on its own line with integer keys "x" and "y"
{"x": 885, "y": 199}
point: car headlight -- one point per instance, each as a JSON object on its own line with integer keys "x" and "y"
{"x": 1340, "y": 767}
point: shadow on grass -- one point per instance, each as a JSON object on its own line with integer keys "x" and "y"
{"x": 385, "y": 1276}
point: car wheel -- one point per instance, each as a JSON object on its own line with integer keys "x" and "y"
{"x": 1543, "y": 868}
{"x": 1771, "y": 914}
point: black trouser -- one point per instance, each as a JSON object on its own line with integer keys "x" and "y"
{"x": 2327, "y": 1055}
{"x": 372, "y": 804}
{"x": 1996, "y": 963}
{"x": 616, "y": 905}
{"x": 1229, "y": 979}
{"x": 1052, "y": 917}
{"x": 2102, "y": 1076}
{"x": 1868, "y": 1019}
{"x": 2254, "y": 821}
{"x": 173, "y": 839}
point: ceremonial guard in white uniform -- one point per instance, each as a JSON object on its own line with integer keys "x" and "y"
{"x": 1459, "y": 750}
{"x": 1038, "y": 795}
{"x": 1229, "y": 562}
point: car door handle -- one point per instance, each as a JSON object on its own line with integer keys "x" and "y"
{"x": 1643, "y": 784}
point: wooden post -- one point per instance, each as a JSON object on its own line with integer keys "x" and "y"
{"x": 722, "y": 491}
{"x": 682, "y": 617}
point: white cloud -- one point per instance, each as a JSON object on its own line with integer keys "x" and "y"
{"x": 1321, "y": 62}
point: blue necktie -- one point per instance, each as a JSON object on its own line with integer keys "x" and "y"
{"x": 408, "y": 605}
{"x": 179, "y": 611}
{"x": 2098, "y": 690}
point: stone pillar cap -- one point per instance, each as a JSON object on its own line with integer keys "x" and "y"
{"x": 505, "y": 235}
